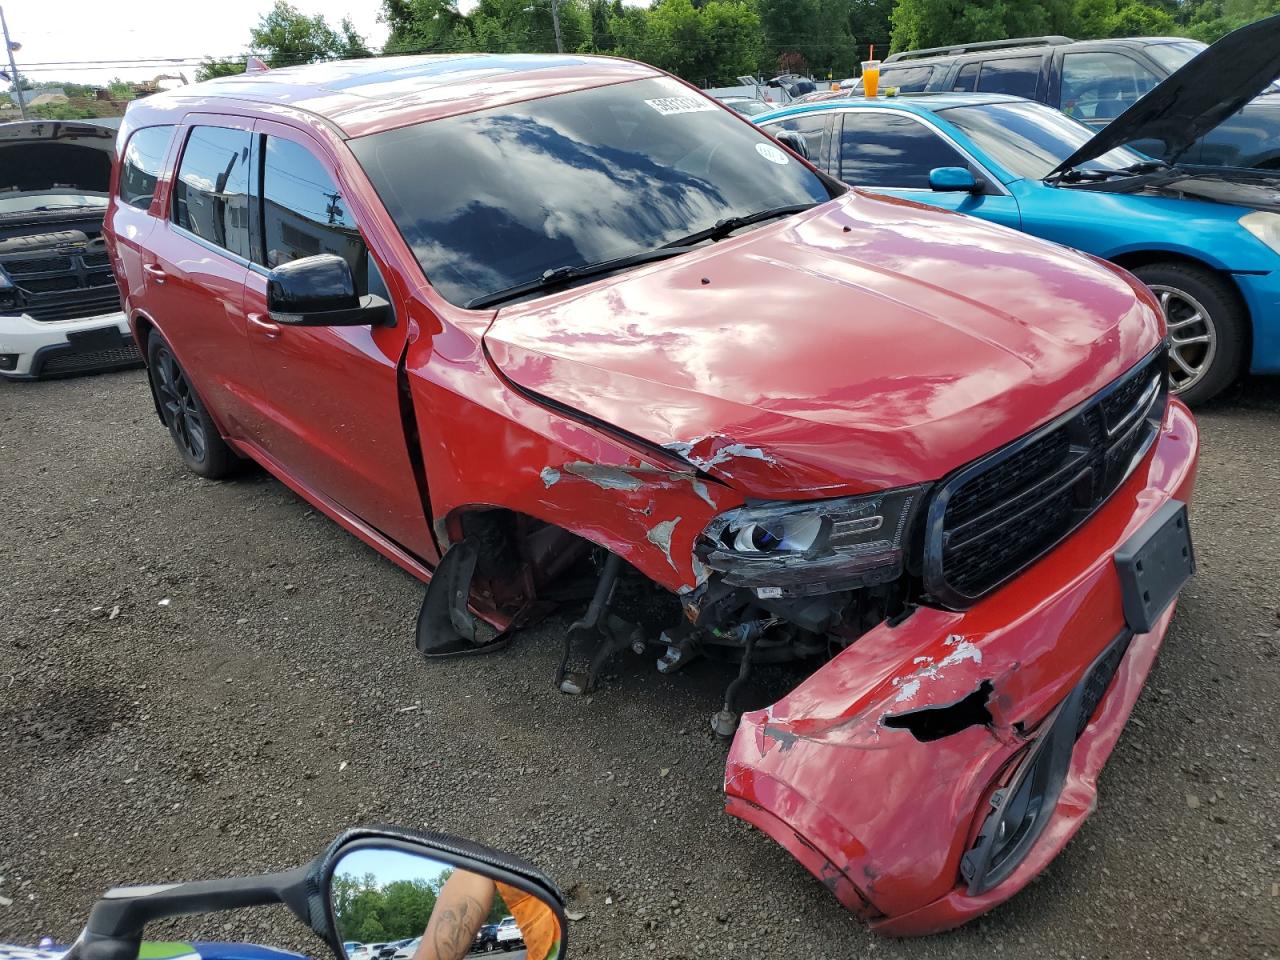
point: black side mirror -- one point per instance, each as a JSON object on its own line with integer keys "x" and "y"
{"x": 794, "y": 141}
{"x": 433, "y": 887}
{"x": 319, "y": 291}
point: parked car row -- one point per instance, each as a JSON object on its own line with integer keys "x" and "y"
{"x": 1205, "y": 240}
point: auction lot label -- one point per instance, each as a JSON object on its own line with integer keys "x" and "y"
{"x": 669, "y": 105}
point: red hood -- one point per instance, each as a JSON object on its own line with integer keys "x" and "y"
{"x": 868, "y": 343}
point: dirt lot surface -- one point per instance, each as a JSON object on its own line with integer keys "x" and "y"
{"x": 199, "y": 679}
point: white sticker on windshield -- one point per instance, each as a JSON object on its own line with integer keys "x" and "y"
{"x": 773, "y": 154}
{"x": 669, "y": 105}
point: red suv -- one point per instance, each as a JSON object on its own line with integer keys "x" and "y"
{"x": 531, "y": 326}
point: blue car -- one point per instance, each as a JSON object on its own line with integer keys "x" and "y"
{"x": 1205, "y": 240}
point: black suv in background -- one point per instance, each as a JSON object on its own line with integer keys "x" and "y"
{"x": 1094, "y": 81}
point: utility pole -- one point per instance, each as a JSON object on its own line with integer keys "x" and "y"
{"x": 555, "y": 22}
{"x": 17, "y": 83}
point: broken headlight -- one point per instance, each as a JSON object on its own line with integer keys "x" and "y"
{"x": 825, "y": 545}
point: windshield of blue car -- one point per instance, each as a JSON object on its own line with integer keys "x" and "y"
{"x": 495, "y": 198}
{"x": 1030, "y": 140}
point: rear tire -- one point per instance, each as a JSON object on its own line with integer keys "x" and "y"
{"x": 193, "y": 431}
{"x": 1208, "y": 328}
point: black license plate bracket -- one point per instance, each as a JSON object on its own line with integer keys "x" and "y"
{"x": 91, "y": 341}
{"x": 1153, "y": 565}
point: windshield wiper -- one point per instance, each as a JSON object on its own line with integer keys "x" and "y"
{"x": 1076, "y": 175}
{"x": 722, "y": 228}
{"x": 558, "y": 276}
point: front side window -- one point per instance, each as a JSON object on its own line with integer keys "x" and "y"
{"x": 1030, "y": 139}
{"x": 495, "y": 198}
{"x": 1016, "y": 76}
{"x": 810, "y": 126}
{"x": 1102, "y": 85}
{"x": 211, "y": 195}
{"x": 142, "y": 165}
{"x": 304, "y": 213}
{"x": 890, "y": 150}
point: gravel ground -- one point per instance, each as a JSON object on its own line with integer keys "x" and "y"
{"x": 199, "y": 679}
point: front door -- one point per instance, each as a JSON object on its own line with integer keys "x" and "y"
{"x": 892, "y": 152}
{"x": 329, "y": 404}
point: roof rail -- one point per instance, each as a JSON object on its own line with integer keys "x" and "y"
{"x": 953, "y": 49}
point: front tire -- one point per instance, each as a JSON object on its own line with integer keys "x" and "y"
{"x": 1208, "y": 328}
{"x": 193, "y": 431}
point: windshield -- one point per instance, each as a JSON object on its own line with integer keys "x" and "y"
{"x": 1030, "y": 140}
{"x": 749, "y": 108}
{"x": 42, "y": 202}
{"x": 1175, "y": 55}
{"x": 495, "y": 198}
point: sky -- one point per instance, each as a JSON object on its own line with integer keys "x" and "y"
{"x": 75, "y": 31}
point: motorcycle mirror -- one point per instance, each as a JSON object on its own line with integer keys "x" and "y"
{"x": 398, "y": 896}
{"x": 396, "y": 885}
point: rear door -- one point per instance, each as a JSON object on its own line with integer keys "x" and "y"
{"x": 892, "y": 152}
{"x": 196, "y": 262}
{"x": 329, "y": 407}
{"x": 135, "y": 208}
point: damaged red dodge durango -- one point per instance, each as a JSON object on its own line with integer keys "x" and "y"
{"x": 547, "y": 327}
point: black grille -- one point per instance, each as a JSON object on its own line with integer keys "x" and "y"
{"x": 74, "y": 284}
{"x": 65, "y": 362}
{"x": 998, "y": 515}
{"x": 73, "y": 304}
{"x": 28, "y": 265}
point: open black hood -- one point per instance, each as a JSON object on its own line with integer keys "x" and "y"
{"x": 44, "y": 154}
{"x": 1193, "y": 100}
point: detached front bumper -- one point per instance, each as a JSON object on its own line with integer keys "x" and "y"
{"x": 30, "y": 349}
{"x": 879, "y": 770}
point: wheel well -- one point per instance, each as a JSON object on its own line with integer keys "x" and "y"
{"x": 144, "y": 326}
{"x": 1145, "y": 258}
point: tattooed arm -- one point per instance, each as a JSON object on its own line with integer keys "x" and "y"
{"x": 463, "y": 904}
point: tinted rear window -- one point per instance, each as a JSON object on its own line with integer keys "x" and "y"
{"x": 142, "y": 165}
{"x": 495, "y": 198}
{"x": 907, "y": 79}
{"x": 211, "y": 194}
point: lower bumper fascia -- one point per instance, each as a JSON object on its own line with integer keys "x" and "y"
{"x": 878, "y": 771}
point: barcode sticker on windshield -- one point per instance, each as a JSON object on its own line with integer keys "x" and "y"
{"x": 669, "y": 105}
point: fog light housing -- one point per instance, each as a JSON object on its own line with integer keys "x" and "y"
{"x": 8, "y": 361}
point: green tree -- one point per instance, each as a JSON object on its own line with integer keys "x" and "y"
{"x": 228, "y": 67}
{"x": 934, "y": 23}
{"x": 426, "y": 26}
{"x": 287, "y": 36}
{"x": 816, "y": 33}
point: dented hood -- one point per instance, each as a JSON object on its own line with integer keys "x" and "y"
{"x": 867, "y": 343}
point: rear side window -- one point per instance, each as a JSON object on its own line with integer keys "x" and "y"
{"x": 1016, "y": 76}
{"x": 211, "y": 196}
{"x": 907, "y": 79}
{"x": 304, "y": 213}
{"x": 142, "y": 165}
{"x": 810, "y": 126}
{"x": 890, "y": 150}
